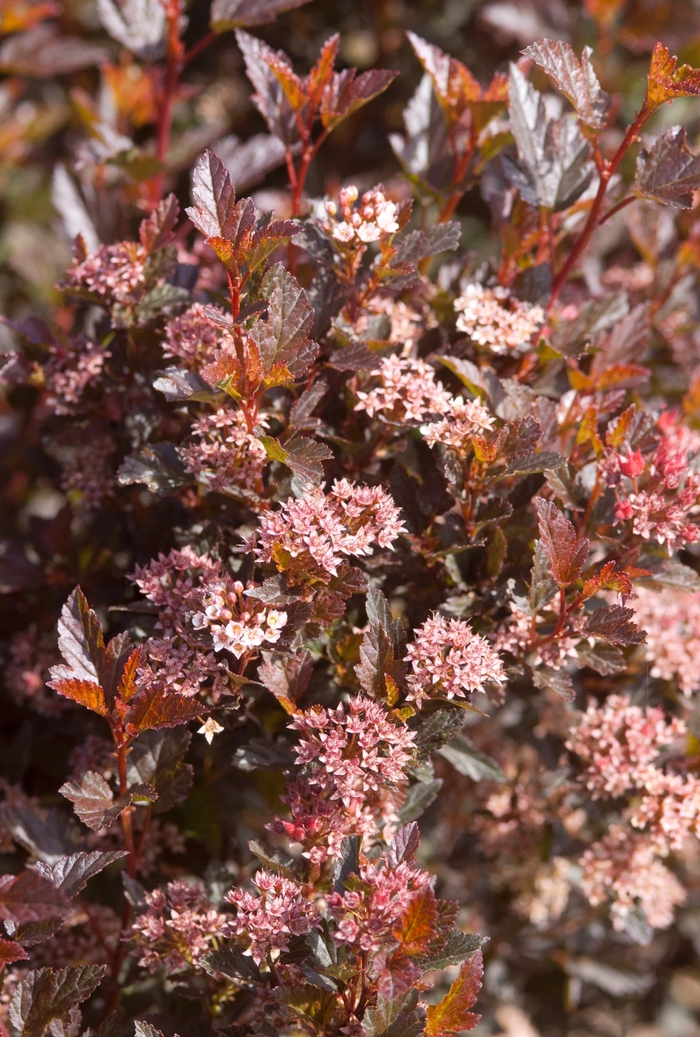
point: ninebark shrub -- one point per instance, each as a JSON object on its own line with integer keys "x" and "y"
{"x": 321, "y": 528}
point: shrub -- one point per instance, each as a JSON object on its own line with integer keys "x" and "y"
{"x": 342, "y": 526}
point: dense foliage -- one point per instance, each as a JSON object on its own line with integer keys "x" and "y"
{"x": 349, "y": 552}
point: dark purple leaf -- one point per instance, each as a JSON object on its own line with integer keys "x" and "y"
{"x": 48, "y": 994}
{"x": 576, "y": 79}
{"x": 669, "y": 172}
{"x": 565, "y": 551}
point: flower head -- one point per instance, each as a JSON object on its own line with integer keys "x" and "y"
{"x": 270, "y": 918}
{"x": 493, "y": 318}
{"x": 313, "y": 535}
{"x": 449, "y": 660}
{"x": 408, "y": 392}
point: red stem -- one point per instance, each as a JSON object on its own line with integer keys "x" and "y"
{"x": 198, "y": 47}
{"x": 592, "y": 222}
{"x": 173, "y": 67}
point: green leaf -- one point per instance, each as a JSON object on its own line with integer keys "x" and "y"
{"x": 398, "y": 1017}
{"x": 539, "y": 461}
{"x": 458, "y": 947}
{"x": 159, "y": 299}
{"x": 48, "y": 994}
{"x": 605, "y": 659}
{"x": 274, "y": 859}
{"x": 418, "y": 799}
{"x": 302, "y": 455}
{"x": 548, "y": 679}
{"x": 232, "y": 963}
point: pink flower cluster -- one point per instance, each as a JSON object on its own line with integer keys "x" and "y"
{"x": 26, "y": 671}
{"x": 464, "y": 419}
{"x": 372, "y": 910}
{"x": 374, "y": 217}
{"x": 493, "y": 318}
{"x": 191, "y": 337}
{"x": 408, "y": 392}
{"x": 112, "y": 272}
{"x": 269, "y": 919}
{"x": 671, "y": 619}
{"x": 88, "y": 472}
{"x": 225, "y": 455}
{"x": 449, "y": 660}
{"x": 232, "y": 626}
{"x": 622, "y": 745}
{"x": 624, "y": 866}
{"x": 312, "y": 536}
{"x": 73, "y": 367}
{"x": 353, "y": 751}
{"x": 178, "y": 927}
{"x": 177, "y": 583}
{"x": 667, "y": 507}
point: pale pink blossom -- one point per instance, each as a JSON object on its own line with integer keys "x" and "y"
{"x": 114, "y": 273}
{"x": 376, "y": 216}
{"x": 620, "y": 744}
{"x": 272, "y": 917}
{"x": 492, "y": 317}
{"x": 671, "y": 619}
{"x": 463, "y": 420}
{"x": 73, "y": 368}
{"x": 313, "y": 535}
{"x": 624, "y": 867}
{"x": 353, "y": 751}
{"x": 449, "y": 660}
{"x": 408, "y": 392}
{"x": 191, "y": 337}
{"x": 225, "y": 456}
{"x": 177, "y": 928}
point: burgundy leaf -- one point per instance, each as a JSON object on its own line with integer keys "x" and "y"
{"x": 669, "y": 173}
{"x": 565, "y": 551}
{"x": 11, "y": 951}
{"x": 29, "y": 897}
{"x": 348, "y": 91}
{"x": 71, "y": 874}
{"x": 614, "y": 624}
{"x": 48, "y": 994}
{"x": 93, "y": 799}
{"x": 227, "y": 14}
{"x": 216, "y": 213}
{"x": 156, "y": 707}
{"x": 155, "y": 231}
{"x": 284, "y": 337}
{"x": 576, "y": 79}
{"x": 451, "y": 1015}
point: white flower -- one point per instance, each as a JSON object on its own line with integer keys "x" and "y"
{"x": 210, "y": 728}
